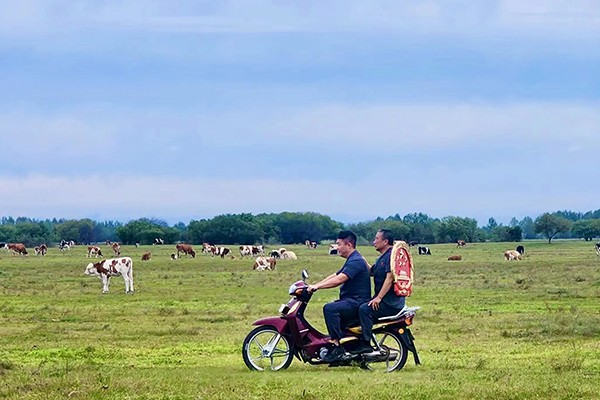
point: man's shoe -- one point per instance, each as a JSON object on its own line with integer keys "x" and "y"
{"x": 362, "y": 347}
{"x": 335, "y": 354}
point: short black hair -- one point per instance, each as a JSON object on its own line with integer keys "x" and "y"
{"x": 386, "y": 234}
{"x": 348, "y": 236}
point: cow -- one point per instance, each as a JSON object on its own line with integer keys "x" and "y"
{"x": 311, "y": 244}
{"x": 461, "y": 243}
{"x": 158, "y": 241}
{"x": 413, "y": 243}
{"x": 289, "y": 255}
{"x": 424, "y": 251}
{"x": 137, "y": 244}
{"x": 146, "y": 256}
{"x": 185, "y": 249}
{"x": 112, "y": 267}
{"x": 264, "y": 263}
{"x": 597, "y": 245}
{"x": 94, "y": 251}
{"x": 258, "y": 250}
{"x": 275, "y": 254}
{"x": 206, "y": 248}
{"x": 16, "y": 248}
{"x": 512, "y": 255}
{"x": 455, "y": 258}
{"x": 173, "y": 256}
{"x": 333, "y": 249}
{"x": 116, "y": 249}
{"x": 521, "y": 250}
{"x": 2, "y": 245}
{"x": 245, "y": 250}
{"x": 40, "y": 250}
{"x": 221, "y": 251}
{"x": 64, "y": 245}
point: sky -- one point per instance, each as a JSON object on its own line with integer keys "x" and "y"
{"x": 182, "y": 110}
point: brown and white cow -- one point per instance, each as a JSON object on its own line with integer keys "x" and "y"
{"x": 455, "y": 258}
{"x": 16, "y": 248}
{"x": 185, "y": 249}
{"x": 311, "y": 244}
{"x": 206, "y": 248}
{"x": 221, "y": 251}
{"x": 116, "y": 249}
{"x": 512, "y": 255}
{"x": 146, "y": 256}
{"x": 94, "y": 251}
{"x": 245, "y": 250}
{"x": 264, "y": 263}
{"x": 461, "y": 243}
{"x": 40, "y": 250}
{"x": 112, "y": 267}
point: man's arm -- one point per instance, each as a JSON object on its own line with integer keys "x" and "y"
{"x": 387, "y": 284}
{"x": 333, "y": 280}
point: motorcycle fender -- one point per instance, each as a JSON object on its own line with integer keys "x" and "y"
{"x": 407, "y": 340}
{"x": 277, "y": 322}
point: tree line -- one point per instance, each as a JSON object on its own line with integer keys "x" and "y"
{"x": 297, "y": 227}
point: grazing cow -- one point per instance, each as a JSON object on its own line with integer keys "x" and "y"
{"x": 413, "y": 243}
{"x": 64, "y": 245}
{"x": 264, "y": 263}
{"x": 146, "y": 256}
{"x": 289, "y": 255}
{"x": 311, "y": 244}
{"x": 137, "y": 244}
{"x": 454, "y": 258}
{"x": 512, "y": 255}
{"x": 16, "y": 248}
{"x": 206, "y": 248}
{"x": 94, "y": 251}
{"x": 40, "y": 250}
{"x": 461, "y": 243}
{"x": 333, "y": 249}
{"x": 598, "y": 248}
{"x": 424, "y": 251}
{"x": 221, "y": 251}
{"x": 116, "y": 249}
{"x": 245, "y": 250}
{"x": 275, "y": 254}
{"x": 258, "y": 250}
{"x": 173, "y": 256}
{"x": 521, "y": 250}
{"x": 158, "y": 241}
{"x": 2, "y": 245}
{"x": 185, "y": 249}
{"x": 112, "y": 267}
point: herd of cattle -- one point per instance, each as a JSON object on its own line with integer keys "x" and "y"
{"x": 123, "y": 266}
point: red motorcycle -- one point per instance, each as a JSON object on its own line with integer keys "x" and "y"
{"x": 275, "y": 341}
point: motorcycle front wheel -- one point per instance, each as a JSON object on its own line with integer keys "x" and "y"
{"x": 398, "y": 353}
{"x": 266, "y": 349}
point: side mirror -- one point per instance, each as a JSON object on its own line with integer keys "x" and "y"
{"x": 304, "y": 275}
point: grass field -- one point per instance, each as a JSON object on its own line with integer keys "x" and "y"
{"x": 487, "y": 328}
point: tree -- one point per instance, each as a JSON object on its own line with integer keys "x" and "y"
{"x": 452, "y": 229}
{"x": 550, "y": 225}
{"x": 586, "y": 228}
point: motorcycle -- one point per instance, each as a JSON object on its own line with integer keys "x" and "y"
{"x": 275, "y": 341}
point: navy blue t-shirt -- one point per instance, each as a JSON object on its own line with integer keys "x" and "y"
{"x": 379, "y": 270}
{"x": 358, "y": 286}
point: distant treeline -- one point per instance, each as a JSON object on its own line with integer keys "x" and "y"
{"x": 297, "y": 227}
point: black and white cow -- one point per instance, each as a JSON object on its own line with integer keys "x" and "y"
{"x": 521, "y": 249}
{"x": 424, "y": 251}
{"x": 112, "y": 267}
{"x": 598, "y": 248}
{"x": 158, "y": 241}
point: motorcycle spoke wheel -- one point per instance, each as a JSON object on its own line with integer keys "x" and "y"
{"x": 265, "y": 349}
{"x": 390, "y": 341}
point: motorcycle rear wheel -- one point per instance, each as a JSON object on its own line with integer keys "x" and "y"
{"x": 391, "y": 341}
{"x": 266, "y": 349}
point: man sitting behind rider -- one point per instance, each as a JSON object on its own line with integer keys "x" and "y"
{"x": 355, "y": 289}
{"x": 385, "y": 302}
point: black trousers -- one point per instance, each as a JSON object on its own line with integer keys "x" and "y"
{"x": 367, "y": 316}
{"x": 340, "y": 311}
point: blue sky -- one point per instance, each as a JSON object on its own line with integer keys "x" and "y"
{"x": 183, "y": 110}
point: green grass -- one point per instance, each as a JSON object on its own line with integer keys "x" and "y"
{"x": 487, "y": 328}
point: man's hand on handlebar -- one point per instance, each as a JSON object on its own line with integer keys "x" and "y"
{"x": 312, "y": 289}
